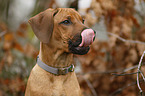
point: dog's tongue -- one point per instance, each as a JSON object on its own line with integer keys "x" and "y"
{"x": 87, "y": 37}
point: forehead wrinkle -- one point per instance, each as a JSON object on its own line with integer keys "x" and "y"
{"x": 71, "y": 13}
{"x": 75, "y": 15}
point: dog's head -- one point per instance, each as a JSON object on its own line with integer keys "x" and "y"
{"x": 63, "y": 28}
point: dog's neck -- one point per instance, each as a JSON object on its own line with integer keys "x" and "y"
{"x": 55, "y": 57}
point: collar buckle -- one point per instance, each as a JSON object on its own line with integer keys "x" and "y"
{"x": 62, "y": 71}
{"x": 71, "y": 69}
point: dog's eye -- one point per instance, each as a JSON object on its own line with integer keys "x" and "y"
{"x": 83, "y": 21}
{"x": 66, "y": 22}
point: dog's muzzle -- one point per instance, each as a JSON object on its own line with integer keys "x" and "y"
{"x": 80, "y": 44}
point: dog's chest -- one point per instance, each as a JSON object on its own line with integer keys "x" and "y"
{"x": 46, "y": 84}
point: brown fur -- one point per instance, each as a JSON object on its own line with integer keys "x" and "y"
{"x": 54, "y": 52}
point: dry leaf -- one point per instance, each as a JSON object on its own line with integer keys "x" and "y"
{"x": 8, "y": 37}
{"x": 9, "y": 58}
{"x": 133, "y": 55}
{"x": 96, "y": 7}
{"x": 112, "y": 41}
{"x": 141, "y": 49}
{"x": 30, "y": 50}
{"x": 18, "y": 46}
{"x": 7, "y": 45}
{"x": 107, "y": 4}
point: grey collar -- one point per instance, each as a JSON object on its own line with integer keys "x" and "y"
{"x": 53, "y": 70}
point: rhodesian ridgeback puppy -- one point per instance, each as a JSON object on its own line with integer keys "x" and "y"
{"x": 62, "y": 33}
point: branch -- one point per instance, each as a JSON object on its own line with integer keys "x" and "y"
{"x": 142, "y": 75}
{"x": 124, "y": 74}
{"x": 124, "y": 40}
{"x": 130, "y": 68}
{"x": 139, "y": 71}
{"x": 90, "y": 86}
{"x": 110, "y": 71}
{"x": 122, "y": 88}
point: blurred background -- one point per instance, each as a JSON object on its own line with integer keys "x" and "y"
{"x": 119, "y": 45}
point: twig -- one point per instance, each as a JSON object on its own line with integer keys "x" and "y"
{"x": 122, "y": 88}
{"x": 110, "y": 71}
{"x": 124, "y": 40}
{"x": 124, "y": 74}
{"x": 131, "y": 68}
{"x": 90, "y": 86}
{"x": 142, "y": 75}
{"x": 138, "y": 70}
{"x": 98, "y": 72}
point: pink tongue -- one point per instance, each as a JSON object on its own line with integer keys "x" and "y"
{"x": 87, "y": 37}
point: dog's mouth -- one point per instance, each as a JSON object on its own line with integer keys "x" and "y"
{"x": 80, "y": 44}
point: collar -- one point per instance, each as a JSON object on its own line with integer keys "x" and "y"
{"x": 53, "y": 70}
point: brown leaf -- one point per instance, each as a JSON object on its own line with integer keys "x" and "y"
{"x": 30, "y": 50}
{"x": 96, "y": 8}
{"x": 9, "y": 58}
{"x": 23, "y": 26}
{"x": 89, "y": 20}
{"x": 9, "y": 37}
{"x": 135, "y": 21}
{"x": 7, "y": 45}
{"x": 18, "y": 47}
{"x": 21, "y": 34}
{"x": 133, "y": 55}
{"x": 112, "y": 41}
{"x": 16, "y": 84}
{"x": 107, "y": 4}
{"x": 140, "y": 48}
{"x": 140, "y": 34}
{"x": 22, "y": 30}
{"x": 127, "y": 28}
{"x": 6, "y": 81}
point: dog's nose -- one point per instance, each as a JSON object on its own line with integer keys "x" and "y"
{"x": 88, "y": 36}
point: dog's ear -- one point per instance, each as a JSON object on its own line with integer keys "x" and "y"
{"x": 42, "y": 24}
